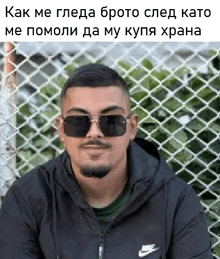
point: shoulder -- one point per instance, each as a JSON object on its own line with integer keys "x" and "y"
{"x": 183, "y": 205}
{"x": 182, "y": 191}
{"x": 34, "y": 184}
{"x": 177, "y": 187}
{"x": 181, "y": 198}
{"x": 42, "y": 172}
{"x": 29, "y": 196}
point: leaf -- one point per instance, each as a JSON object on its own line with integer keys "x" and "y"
{"x": 172, "y": 104}
{"x": 127, "y": 66}
{"x": 148, "y": 64}
{"x": 181, "y": 136}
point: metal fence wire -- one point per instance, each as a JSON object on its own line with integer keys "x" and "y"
{"x": 174, "y": 89}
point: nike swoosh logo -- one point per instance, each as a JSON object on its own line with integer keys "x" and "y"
{"x": 144, "y": 253}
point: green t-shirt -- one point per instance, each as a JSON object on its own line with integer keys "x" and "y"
{"x": 107, "y": 214}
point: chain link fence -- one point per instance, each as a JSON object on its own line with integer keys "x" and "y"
{"x": 174, "y": 88}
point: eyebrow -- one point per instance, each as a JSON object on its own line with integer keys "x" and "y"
{"x": 105, "y": 110}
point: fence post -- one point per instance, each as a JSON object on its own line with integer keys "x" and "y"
{"x": 8, "y": 120}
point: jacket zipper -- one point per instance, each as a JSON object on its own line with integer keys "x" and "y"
{"x": 101, "y": 250}
{"x": 101, "y": 247}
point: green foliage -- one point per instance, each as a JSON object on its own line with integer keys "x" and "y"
{"x": 166, "y": 101}
{"x": 36, "y": 128}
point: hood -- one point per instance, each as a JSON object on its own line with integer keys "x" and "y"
{"x": 148, "y": 172}
{"x": 146, "y": 164}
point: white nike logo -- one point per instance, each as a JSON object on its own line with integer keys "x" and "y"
{"x": 146, "y": 250}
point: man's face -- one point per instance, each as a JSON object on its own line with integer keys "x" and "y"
{"x": 95, "y": 154}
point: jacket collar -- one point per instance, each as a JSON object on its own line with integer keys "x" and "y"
{"x": 143, "y": 167}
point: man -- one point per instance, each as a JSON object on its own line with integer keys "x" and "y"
{"x": 109, "y": 194}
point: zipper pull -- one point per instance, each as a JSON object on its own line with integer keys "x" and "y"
{"x": 101, "y": 250}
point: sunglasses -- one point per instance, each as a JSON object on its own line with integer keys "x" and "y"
{"x": 110, "y": 125}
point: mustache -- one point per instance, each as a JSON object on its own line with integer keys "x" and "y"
{"x": 95, "y": 142}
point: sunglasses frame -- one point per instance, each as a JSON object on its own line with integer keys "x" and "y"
{"x": 97, "y": 121}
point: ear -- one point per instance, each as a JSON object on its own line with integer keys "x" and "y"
{"x": 59, "y": 124}
{"x": 134, "y": 122}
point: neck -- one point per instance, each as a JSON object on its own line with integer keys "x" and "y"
{"x": 101, "y": 192}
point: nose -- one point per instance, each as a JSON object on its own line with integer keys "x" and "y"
{"x": 94, "y": 131}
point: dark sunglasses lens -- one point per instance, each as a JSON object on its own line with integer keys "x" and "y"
{"x": 76, "y": 126}
{"x": 113, "y": 125}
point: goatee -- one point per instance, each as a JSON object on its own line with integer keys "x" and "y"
{"x": 95, "y": 171}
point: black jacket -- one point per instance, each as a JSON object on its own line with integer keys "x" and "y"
{"x": 45, "y": 215}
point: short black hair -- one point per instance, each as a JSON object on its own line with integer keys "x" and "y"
{"x": 94, "y": 75}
